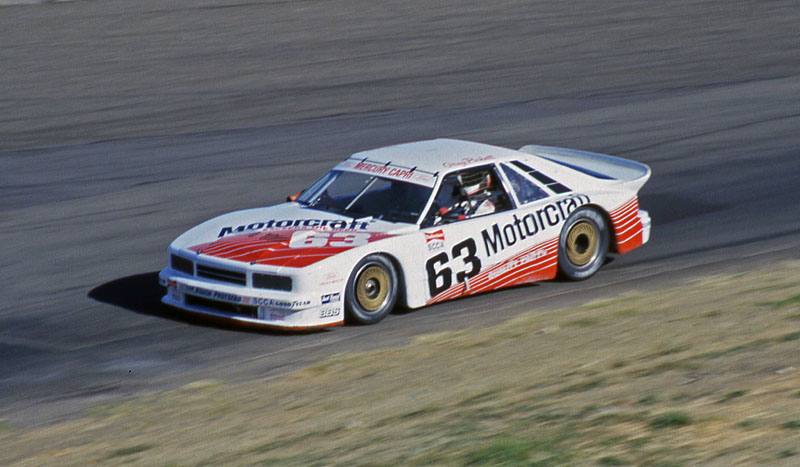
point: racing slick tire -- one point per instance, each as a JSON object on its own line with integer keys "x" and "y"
{"x": 371, "y": 291}
{"x": 583, "y": 244}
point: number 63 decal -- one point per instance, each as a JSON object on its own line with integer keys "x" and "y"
{"x": 315, "y": 239}
{"x": 441, "y": 279}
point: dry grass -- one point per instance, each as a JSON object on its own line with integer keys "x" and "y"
{"x": 707, "y": 373}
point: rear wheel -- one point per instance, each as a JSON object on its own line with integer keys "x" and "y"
{"x": 371, "y": 290}
{"x": 583, "y": 244}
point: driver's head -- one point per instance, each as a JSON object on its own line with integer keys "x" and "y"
{"x": 474, "y": 183}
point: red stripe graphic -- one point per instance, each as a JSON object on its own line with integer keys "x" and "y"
{"x": 540, "y": 262}
{"x": 273, "y": 248}
{"x": 627, "y": 226}
{"x": 533, "y": 264}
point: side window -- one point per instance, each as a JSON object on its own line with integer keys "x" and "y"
{"x": 525, "y": 189}
{"x": 467, "y": 194}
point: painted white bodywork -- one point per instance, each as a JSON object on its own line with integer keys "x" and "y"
{"x": 434, "y": 263}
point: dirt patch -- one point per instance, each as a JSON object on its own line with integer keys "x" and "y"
{"x": 708, "y": 372}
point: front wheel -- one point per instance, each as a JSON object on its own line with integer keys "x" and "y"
{"x": 371, "y": 290}
{"x": 583, "y": 244}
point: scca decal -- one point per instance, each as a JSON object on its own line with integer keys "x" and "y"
{"x": 530, "y": 224}
{"x": 279, "y": 224}
{"x": 434, "y": 240}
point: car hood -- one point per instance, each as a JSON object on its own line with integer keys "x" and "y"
{"x": 286, "y": 235}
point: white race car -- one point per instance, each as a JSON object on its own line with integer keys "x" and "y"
{"x": 414, "y": 224}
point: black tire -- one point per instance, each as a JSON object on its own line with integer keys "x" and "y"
{"x": 583, "y": 245}
{"x": 371, "y": 290}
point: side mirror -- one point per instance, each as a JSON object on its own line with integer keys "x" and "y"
{"x": 294, "y": 197}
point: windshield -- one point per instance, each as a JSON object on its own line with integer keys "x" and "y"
{"x": 361, "y": 195}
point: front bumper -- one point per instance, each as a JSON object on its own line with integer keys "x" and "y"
{"x": 267, "y": 308}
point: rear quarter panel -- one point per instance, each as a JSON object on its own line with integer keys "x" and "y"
{"x": 495, "y": 251}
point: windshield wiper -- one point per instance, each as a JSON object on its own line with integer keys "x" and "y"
{"x": 326, "y": 207}
{"x": 358, "y": 196}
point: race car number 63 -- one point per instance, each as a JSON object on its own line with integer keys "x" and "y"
{"x": 441, "y": 280}
{"x": 313, "y": 239}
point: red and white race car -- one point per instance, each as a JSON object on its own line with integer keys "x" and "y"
{"x": 414, "y": 224}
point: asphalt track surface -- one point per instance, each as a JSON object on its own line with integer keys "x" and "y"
{"x": 123, "y": 123}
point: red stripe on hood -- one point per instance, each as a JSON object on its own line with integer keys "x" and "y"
{"x": 295, "y": 248}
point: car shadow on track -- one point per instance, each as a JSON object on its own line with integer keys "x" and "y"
{"x": 142, "y": 294}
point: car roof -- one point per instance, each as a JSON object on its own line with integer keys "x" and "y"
{"x": 439, "y": 155}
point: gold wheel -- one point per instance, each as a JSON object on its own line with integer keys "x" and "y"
{"x": 372, "y": 287}
{"x": 581, "y": 243}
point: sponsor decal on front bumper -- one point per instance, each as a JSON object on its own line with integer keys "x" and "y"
{"x": 234, "y": 298}
{"x": 294, "y": 313}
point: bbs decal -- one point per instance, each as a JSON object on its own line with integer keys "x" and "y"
{"x": 440, "y": 275}
{"x": 329, "y": 312}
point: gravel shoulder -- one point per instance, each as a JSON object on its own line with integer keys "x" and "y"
{"x": 706, "y": 372}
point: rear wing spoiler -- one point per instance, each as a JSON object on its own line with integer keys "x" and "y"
{"x": 614, "y": 169}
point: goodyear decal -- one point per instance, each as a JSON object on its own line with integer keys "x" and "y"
{"x": 277, "y": 303}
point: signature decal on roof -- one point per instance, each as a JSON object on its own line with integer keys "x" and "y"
{"x": 467, "y": 161}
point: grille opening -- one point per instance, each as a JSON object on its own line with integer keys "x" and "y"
{"x": 232, "y": 309}
{"x": 222, "y": 275}
{"x": 183, "y": 265}
{"x": 272, "y": 282}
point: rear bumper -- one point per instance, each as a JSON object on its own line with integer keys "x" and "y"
{"x": 644, "y": 218}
